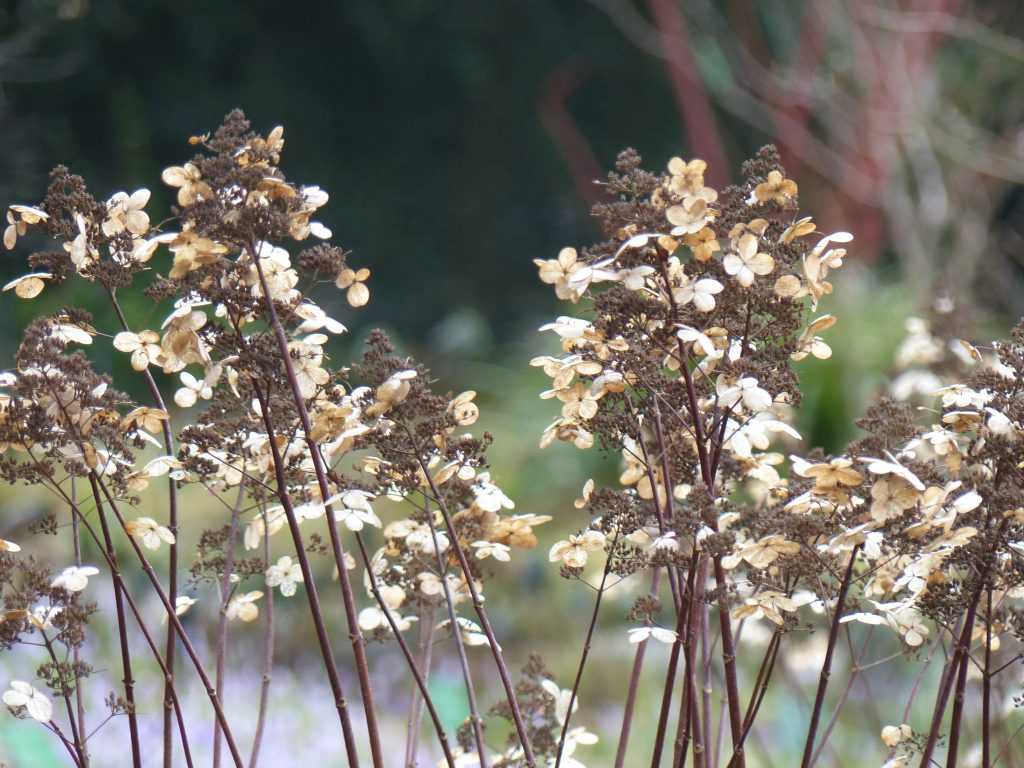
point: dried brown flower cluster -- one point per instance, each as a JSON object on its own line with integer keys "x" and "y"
{"x": 678, "y": 357}
{"x": 696, "y": 306}
{"x": 283, "y": 439}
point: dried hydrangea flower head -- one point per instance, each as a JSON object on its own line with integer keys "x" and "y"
{"x": 697, "y": 303}
{"x": 274, "y": 430}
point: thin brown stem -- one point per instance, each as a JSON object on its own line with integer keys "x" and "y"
{"x": 725, "y": 623}
{"x": 116, "y": 575}
{"x": 122, "y": 630}
{"x": 1007, "y": 664}
{"x": 682, "y": 617}
{"x": 826, "y": 667}
{"x": 481, "y": 612}
{"x": 421, "y": 683}
{"x": 673, "y": 575}
{"x": 268, "y": 656}
{"x": 764, "y": 675}
{"x": 1007, "y": 750}
{"x": 172, "y": 617}
{"x": 986, "y": 687}
{"x": 732, "y": 689}
{"x": 312, "y": 595}
{"x": 75, "y": 655}
{"x": 172, "y": 525}
{"x": 958, "y": 709}
{"x": 666, "y": 694}
{"x": 680, "y": 750}
{"x": 959, "y": 654}
{"x": 919, "y": 678}
{"x": 942, "y": 698}
{"x": 689, "y": 714}
{"x": 77, "y": 738}
{"x": 222, "y": 618}
{"x": 70, "y": 747}
{"x": 855, "y": 673}
{"x": 460, "y": 647}
{"x": 634, "y": 684}
{"x": 586, "y": 651}
{"x": 958, "y": 696}
{"x": 426, "y": 653}
{"x": 348, "y": 599}
{"x": 706, "y": 661}
{"x": 720, "y": 726}
{"x": 708, "y": 469}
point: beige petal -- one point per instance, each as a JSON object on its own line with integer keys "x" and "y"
{"x": 126, "y": 341}
{"x": 788, "y": 286}
{"x": 29, "y": 288}
{"x": 175, "y": 176}
{"x": 137, "y": 222}
{"x": 138, "y": 199}
{"x": 358, "y": 295}
{"x": 761, "y": 264}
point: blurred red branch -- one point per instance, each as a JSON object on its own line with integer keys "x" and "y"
{"x": 812, "y": 47}
{"x": 571, "y": 141}
{"x": 688, "y": 87}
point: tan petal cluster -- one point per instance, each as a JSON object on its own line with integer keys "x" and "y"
{"x": 19, "y": 219}
{"x": 353, "y": 282}
{"x": 189, "y": 183}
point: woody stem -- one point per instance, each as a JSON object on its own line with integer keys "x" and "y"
{"x": 172, "y": 525}
{"x": 481, "y": 612}
{"x": 634, "y": 684}
{"x": 172, "y": 617}
{"x": 460, "y": 646}
{"x": 586, "y": 652}
{"x": 312, "y": 594}
{"x": 348, "y": 600}
{"x": 826, "y": 667}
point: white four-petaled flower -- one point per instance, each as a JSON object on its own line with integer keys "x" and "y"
{"x": 354, "y": 509}
{"x": 75, "y": 578}
{"x": 747, "y": 262}
{"x": 744, "y": 390}
{"x": 244, "y": 607}
{"x": 486, "y": 549}
{"x": 574, "y": 551}
{"x": 149, "y": 531}
{"x": 124, "y": 212}
{"x": 286, "y": 574}
{"x": 701, "y": 292}
{"x": 21, "y": 694}
{"x": 642, "y": 634}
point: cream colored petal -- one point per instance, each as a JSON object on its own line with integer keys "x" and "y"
{"x": 358, "y": 295}
{"x": 126, "y": 341}
{"x": 761, "y": 264}
{"x": 175, "y": 176}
